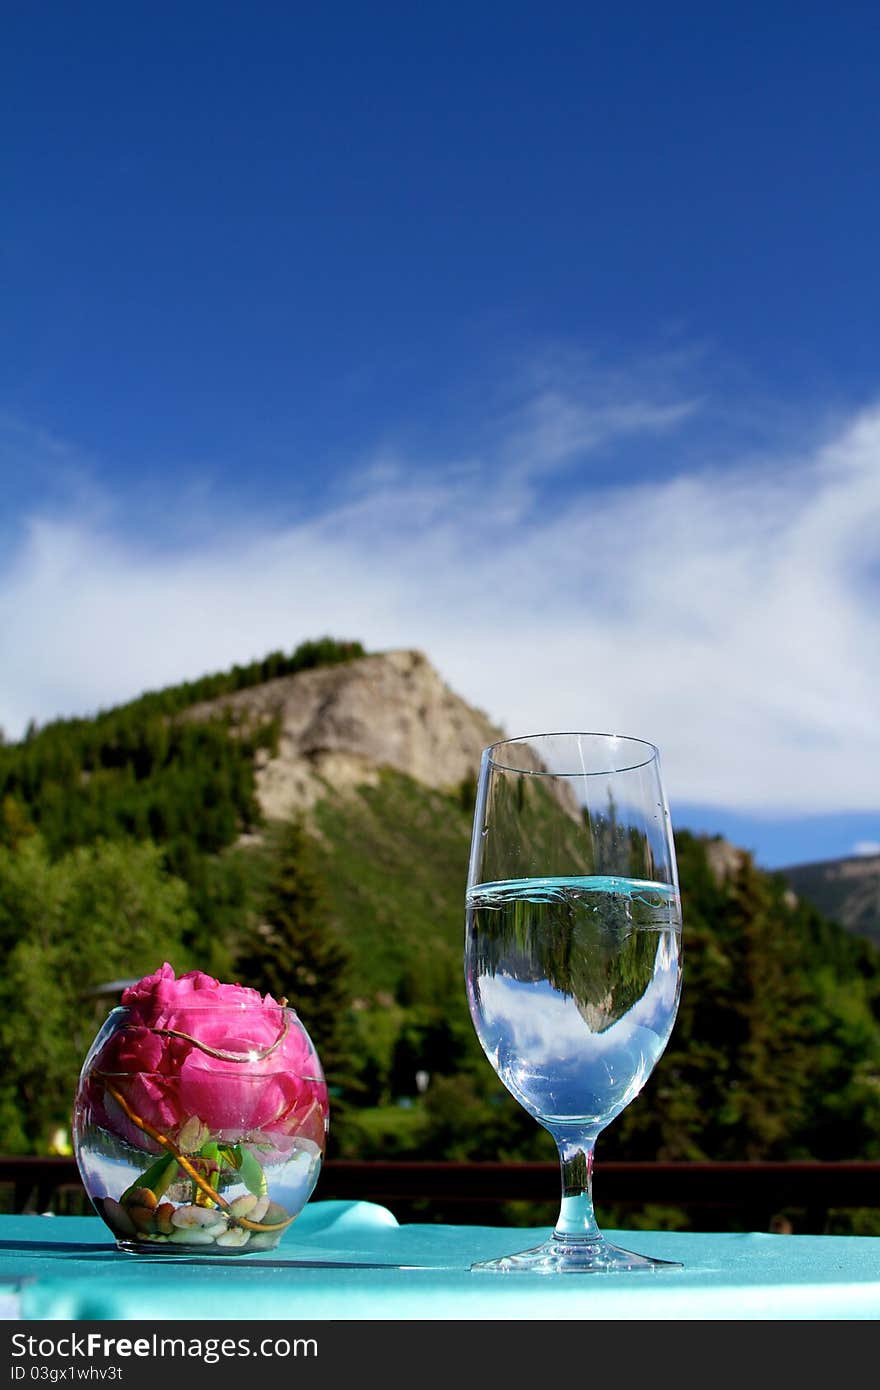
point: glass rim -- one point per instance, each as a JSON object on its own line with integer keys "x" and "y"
{"x": 243, "y": 1006}
{"x": 239, "y": 1071}
{"x": 651, "y": 749}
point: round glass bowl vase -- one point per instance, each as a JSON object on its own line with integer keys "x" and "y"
{"x": 201, "y": 1134}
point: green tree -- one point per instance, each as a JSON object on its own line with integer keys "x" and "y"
{"x": 765, "y": 1099}
{"x": 294, "y": 953}
{"x": 70, "y": 932}
{"x": 15, "y": 824}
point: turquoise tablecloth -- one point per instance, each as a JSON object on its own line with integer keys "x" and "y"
{"x": 63, "y": 1268}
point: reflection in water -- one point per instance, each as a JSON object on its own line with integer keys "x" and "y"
{"x": 574, "y": 986}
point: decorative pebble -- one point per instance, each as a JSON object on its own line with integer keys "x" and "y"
{"x": 194, "y": 1235}
{"x": 193, "y": 1218}
{"x": 163, "y": 1218}
{"x": 141, "y": 1197}
{"x": 235, "y": 1236}
{"x": 117, "y": 1217}
{"x": 143, "y": 1219}
{"x": 275, "y": 1213}
{"x": 259, "y": 1209}
{"x": 244, "y": 1205}
{"x": 263, "y": 1240}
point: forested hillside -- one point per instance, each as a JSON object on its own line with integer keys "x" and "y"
{"x": 138, "y": 837}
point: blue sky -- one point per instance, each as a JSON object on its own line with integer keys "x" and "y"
{"x": 542, "y": 338}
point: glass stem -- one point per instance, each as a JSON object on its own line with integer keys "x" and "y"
{"x": 577, "y": 1220}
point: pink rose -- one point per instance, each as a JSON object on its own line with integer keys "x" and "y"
{"x": 194, "y": 1055}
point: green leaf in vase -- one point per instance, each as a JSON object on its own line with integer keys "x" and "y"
{"x": 252, "y": 1174}
{"x": 157, "y": 1178}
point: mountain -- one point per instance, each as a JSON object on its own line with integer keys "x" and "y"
{"x": 846, "y": 890}
{"x": 340, "y": 725}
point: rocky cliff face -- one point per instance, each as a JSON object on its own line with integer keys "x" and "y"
{"x": 847, "y": 890}
{"x": 725, "y": 859}
{"x": 341, "y": 724}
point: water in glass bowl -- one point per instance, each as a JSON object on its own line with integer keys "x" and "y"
{"x": 573, "y": 986}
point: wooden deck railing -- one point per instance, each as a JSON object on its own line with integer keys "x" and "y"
{"x": 467, "y": 1191}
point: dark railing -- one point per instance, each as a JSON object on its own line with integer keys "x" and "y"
{"x": 714, "y": 1195}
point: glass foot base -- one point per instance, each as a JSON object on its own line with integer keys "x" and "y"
{"x": 558, "y": 1256}
{"x": 182, "y": 1251}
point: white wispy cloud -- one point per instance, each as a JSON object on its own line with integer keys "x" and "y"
{"x": 728, "y": 614}
{"x": 555, "y": 428}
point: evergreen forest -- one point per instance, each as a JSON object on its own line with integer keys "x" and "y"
{"x": 136, "y": 837}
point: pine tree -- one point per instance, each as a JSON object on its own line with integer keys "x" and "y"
{"x": 771, "y": 1070}
{"x": 294, "y": 953}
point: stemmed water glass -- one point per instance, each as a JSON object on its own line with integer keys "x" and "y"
{"x": 573, "y": 953}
